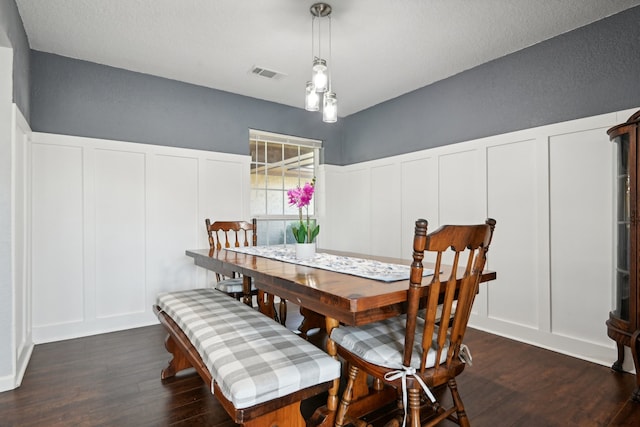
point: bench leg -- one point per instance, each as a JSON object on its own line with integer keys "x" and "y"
{"x": 178, "y": 362}
{"x": 289, "y": 416}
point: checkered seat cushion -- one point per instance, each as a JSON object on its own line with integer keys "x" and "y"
{"x": 252, "y": 358}
{"x": 233, "y": 285}
{"x": 382, "y": 343}
{"x": 422, "y": 312}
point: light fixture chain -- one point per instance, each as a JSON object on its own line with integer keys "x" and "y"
{"x": 319, "y": 38}
{"x": 330, "y": 65}
{"x": 313, "y": 44}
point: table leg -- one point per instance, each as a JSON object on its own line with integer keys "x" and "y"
{"x": 364, "y": 398}
{"x": 246, "y": 291}
{"x": 266, "y": 304}
{"x": 282, "y": 312}
{"x": 326, "y": 415}
{"x": 332, "y": 400}
{"x": 310, "y": 320}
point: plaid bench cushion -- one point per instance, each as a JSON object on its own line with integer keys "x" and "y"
{"x": 252, "y": 358}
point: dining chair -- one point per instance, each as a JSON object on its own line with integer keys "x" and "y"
{"x": 225, "y": 234}
{"x": 417, "y": 354}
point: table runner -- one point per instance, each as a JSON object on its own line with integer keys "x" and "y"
{"x": 367, "y": 268}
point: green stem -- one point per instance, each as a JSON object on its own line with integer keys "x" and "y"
{"x": 308, "y": 228}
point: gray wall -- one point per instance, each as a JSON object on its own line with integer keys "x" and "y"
{"x": 592, "y": 70}
{"x": 74, "y": 97}
{"x": 12, "y": 35}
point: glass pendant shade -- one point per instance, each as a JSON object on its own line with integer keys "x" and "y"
{"x": 320, "y": 77}
{"x": 311, "y": 99}
{"x": 330, "y": 108}
{"x": 318, "y": 90}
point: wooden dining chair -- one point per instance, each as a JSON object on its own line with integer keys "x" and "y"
{"x": 226, "y": 234}
{"x": 417, "y": 354}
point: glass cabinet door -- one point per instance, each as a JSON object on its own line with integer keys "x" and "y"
{"x": 623, "y": 324}
{"x": 623, "y": 221}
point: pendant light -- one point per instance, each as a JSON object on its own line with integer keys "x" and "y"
{"x": 330, "y": 108}
{"x": 319, "y": 88}
{"x": 320, "y": 77}
{"x": 311, "y": 99}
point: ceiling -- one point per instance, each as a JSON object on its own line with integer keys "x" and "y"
{"x": 381, "y": 49}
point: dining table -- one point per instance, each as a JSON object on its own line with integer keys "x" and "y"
{"x": 339, "y": 297}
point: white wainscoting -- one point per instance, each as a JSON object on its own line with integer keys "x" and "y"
{"x": 111, "y": 221}
{"x": 21, "y": 344}
{"x": 550, "y": 190}
{"x": 7, "y": 332}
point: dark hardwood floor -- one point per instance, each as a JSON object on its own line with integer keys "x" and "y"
{"x": 114, "y": 380}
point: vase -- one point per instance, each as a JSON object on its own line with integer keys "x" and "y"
{"x": 305, "y": 250}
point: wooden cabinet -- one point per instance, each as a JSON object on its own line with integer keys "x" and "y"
{"x": 623, "y": 325}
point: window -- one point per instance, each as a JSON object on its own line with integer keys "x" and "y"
{"x": 278, "y": 163}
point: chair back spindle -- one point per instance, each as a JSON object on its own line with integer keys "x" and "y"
{"x": 444, "y": 329}
{"x": 227, "y": 233}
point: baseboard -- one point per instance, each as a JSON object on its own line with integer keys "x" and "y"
{"x": 598, "y": 353}
{"x": 11, "y": 382}
{"x": 60, "y": 332}
{"x": 23, "y": 361}
{"x": 7, "y": 383}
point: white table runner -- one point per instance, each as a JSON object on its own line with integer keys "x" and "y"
{"x": 367, "y": 268}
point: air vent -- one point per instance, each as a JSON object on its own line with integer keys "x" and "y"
{"x": 266, "y": 73}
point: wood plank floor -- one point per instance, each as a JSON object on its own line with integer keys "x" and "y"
{"x": 114, "y": 380}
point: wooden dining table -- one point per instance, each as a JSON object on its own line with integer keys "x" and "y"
{"x": 340, "y": 298}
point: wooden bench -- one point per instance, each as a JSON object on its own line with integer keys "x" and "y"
{"x": 258, "y": 370}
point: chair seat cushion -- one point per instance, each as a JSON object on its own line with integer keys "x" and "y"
{"x": 422, "y": 312}
{"x": 252, "y": 358}
{"x": 232, "y": 285}
{"x": 382, "y": 343}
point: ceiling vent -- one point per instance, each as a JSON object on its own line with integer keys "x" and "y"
{"x": 266, "y": 73}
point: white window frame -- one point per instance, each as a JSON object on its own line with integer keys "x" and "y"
{"x": 289, "y": 215}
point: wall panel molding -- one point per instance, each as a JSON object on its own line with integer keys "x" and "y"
{"x": 22, "y": 342}
{"x": 112, "y": 220}
{"x": 521, "y": 179}
{"x": 550, "y": 188}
